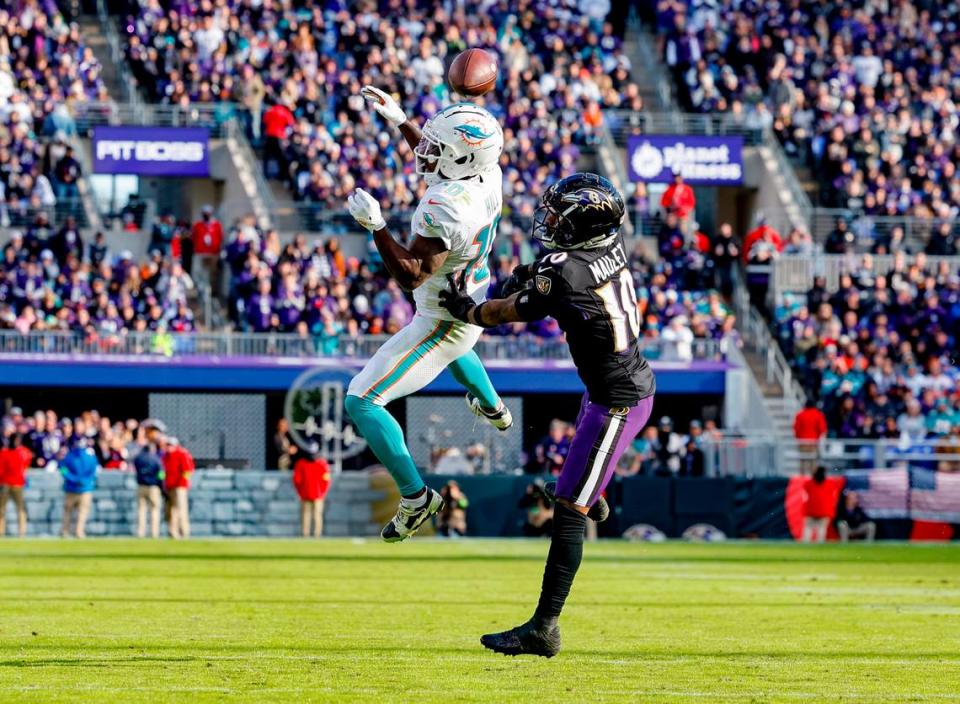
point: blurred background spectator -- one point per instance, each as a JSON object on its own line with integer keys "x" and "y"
{"x": 452, "y": 519}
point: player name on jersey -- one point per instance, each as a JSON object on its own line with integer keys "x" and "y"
{"x": 609, "y": 264}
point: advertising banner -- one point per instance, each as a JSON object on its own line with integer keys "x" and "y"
{"x": 703, "y": 160}
{"x": 152, "y": 151}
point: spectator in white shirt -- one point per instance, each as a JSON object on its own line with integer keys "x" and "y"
{"x": 679, "y": 340}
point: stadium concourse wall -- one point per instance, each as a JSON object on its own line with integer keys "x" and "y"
{"x": 248, "y": 503}
{"x": 223, "y": 502}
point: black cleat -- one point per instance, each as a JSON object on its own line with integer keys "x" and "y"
{"x": 599, "y": 512}
{"x": 525, "y": 640}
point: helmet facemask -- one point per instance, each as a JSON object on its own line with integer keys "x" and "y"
{"x": 428, "y": 153}
{"x": 548, "y": 227}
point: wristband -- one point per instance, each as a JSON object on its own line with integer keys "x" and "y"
{"x": 475, "y": 314}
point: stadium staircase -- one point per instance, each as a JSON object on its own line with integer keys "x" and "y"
{"x": 648, "y": 71}
{"x": 791, "y": 191}
{"x": 782, "y": 396}
{"x": 94, "y": 36}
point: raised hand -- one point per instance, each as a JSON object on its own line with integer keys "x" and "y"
{"x": 384, "y": 105}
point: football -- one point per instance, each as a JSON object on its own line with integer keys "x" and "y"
{"x": 473, "y": 72}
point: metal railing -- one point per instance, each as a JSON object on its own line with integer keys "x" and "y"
{"x": 867, "y": 229}
{"x": 744, "y": 409}
{"x": 797, "y": 206}
{"x": 742, "y": 456}
{"x": 612, "y": 163}
{"x": 623, "y": 123}
{"x": 213, "y": 116}
{"x": 794, "y": 273}
{"x": 760, "y": 341}
{"x": 22, "y": 216}
{"x": 839, "y": 453}
{"x": 251, "y": 174}
{"x": 231, "y": 344}
{"x": 757, "y": 455}
{"x": 128, "y": 84}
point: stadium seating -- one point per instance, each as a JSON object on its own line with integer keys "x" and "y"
{"x": 45, "y": 70}
{"x": 877, "y": 351}
{"x": 294, "y": 76}
{"x": 317, "y": 290}
{"x": 52, "y": 280}
{"x": 865, "y": 95}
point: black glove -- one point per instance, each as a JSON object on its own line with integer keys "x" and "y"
{"x": 517, "y": 281}
{"x": 456, "y": 299}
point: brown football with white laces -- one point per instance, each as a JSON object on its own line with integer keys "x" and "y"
{"x": 473, "y": 72}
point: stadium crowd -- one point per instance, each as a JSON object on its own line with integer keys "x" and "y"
{"x": 318, "y": 292}
{"x": 864, "y": 92}
{"x": 48, "y": 436}
{"x": 52, "y": 280}
{"x": 294, "y": 71}
{"x": 45, "y": 71}
{"x": 659, "y": 451}
{"x": 80, "y": 447}
{"x": 878, "y": 351}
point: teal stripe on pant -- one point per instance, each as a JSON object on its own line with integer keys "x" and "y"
{"x": 382, "y": 432}
{"x": 468, "y": 371}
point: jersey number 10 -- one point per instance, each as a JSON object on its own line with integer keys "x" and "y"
{"x": 620, "y": 300}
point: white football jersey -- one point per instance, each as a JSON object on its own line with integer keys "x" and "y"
{"x": 464, "y": 214}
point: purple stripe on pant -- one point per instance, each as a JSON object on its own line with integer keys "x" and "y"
{"x": 602, "y": 436}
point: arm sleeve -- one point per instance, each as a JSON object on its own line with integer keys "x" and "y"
{"x": 540, "y": 299}
{"x": 436, "y": 219}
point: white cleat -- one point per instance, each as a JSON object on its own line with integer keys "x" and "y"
{"x": 409, "y": 518}
{"x": 501, "y": 419}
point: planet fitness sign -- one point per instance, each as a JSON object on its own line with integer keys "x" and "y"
{"x": 703, "y": 161}
{"x": 152, "y": 151}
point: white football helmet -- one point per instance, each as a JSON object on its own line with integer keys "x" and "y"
{"x": 460, "y": 141}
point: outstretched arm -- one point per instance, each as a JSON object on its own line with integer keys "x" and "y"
{"x": 390, "y": 110}
{"x": 517, "y": 308}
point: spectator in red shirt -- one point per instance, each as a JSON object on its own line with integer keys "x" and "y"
{"x": 177, "y": 467}
{"x": 14, "y": 460}
{"x": 277, "y": 123}
{"x": 679, "y": 200}
{"x": 207, "y": 239}
{"x": 809, "y": 426}
{"x": 761, "y": 231}
{"x": 311, "y": 479}
{"x": 819, "y": 507}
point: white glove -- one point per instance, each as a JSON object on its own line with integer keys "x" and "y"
{"x": 366, "y": 210}
{"x": 384, "y": 104}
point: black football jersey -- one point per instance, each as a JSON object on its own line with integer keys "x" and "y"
{"x": 591, "y": 295}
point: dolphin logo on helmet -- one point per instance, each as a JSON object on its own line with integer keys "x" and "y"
{"x": 471, "y": 133}
{"x": 460, "y": 141}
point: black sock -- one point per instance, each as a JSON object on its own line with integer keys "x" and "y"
{"x": 563, "y": 561}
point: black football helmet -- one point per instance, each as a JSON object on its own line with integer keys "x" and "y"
{"x": 581, "y": 211}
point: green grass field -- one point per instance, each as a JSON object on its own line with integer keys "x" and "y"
{"x": 282, "y": 621}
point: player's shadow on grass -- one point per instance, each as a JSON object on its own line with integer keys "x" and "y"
{"x": 839, "y": 555}
{"x": 322, "y": 653}
{"x": 600, "y": 603}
